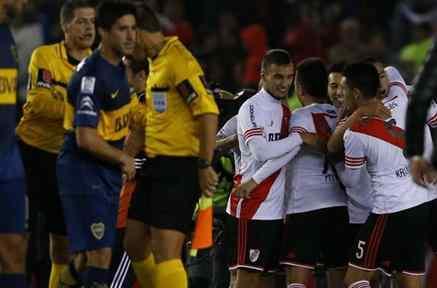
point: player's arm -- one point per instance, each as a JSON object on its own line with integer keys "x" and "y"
{"x": 42, "y": 98}
{"x": 250, "y": 119}
{"x": 354, "y": 159}
{"x": 191, "y": 86}
{"x": 227, "y": 138}
{"x": 375, "y": 108}
{"x": 86, "y": 119}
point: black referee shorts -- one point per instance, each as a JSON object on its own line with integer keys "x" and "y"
{"x": 42, "y": 188}
{"x": 166, "y": 193}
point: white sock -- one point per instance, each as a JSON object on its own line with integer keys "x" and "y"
{"x": 360, "y": 284}
{"x": 296, "y": 285}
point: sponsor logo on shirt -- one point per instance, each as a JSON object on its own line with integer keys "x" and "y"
{"x": 252, "y": 115}
{"x": 402, "y": 172}
{"x": 87, "y": 85}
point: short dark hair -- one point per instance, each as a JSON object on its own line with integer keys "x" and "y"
{"x": 312, "y": 75}
{"x": 337, "y": 68}
{"x": 147, "y": 18}
{"x": 109, "y": 11}
{"x": 364, "y": 77}
{"x": 67, "y": 10}
{"x": 275, "y": 56}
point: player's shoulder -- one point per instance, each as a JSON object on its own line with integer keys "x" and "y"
{"x": 324, "y": 108}
{"x": 176, "y": 50}
{"x": 47, "y": 52}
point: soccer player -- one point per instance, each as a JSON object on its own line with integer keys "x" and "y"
{"x": 122, "y": 274}
{"x": 334, "y": 90}
{"x": 91, "y": 160}
{"x": 41, "y": 131}
{"x": 12, "y": 188}
{"x": 181, "y": 125}
{"x": 393, "y": 236}
{"x": 256, "y": 207}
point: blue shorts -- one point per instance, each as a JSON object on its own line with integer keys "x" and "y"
{"x": 12, "y": 192}
{"x": 90, "y": 198}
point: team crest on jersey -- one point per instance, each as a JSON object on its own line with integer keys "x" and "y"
{"x": 98, "y": 230}
{"x": 87, "y": 85}
{"x": 254, "y": 255}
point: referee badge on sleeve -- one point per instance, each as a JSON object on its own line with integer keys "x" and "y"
{"x": 187, "y": 91}
{"x": 159, "y": 97}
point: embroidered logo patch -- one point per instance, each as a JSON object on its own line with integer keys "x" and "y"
{"x": 87, "y": 85}
{"x": 98, "y": 230}
{"x": 254, "y": 255}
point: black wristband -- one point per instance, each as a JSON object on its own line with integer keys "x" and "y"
{"x": 203, "y": 163}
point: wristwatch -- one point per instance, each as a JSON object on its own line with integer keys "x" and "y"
{"x": 203, "y": 163}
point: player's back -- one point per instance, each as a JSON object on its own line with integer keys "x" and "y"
{"x": 393, "y": 189}
{"x": 311, "y": 183}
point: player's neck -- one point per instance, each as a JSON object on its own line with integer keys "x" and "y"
{"x": 75, "y": 52}
{"x": 158, "y": 42}
{"x": 110, "y": 55}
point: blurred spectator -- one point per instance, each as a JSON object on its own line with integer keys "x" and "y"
{"x": 254, "y": 38}
{"x": 302, "y": 39}
{"x": 413, "y": 54}
{"x": 174, "y": 10}
{"x": 28, "y": 34}
{"x": 350, "y": 46}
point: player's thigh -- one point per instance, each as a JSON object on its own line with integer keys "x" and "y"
{"x": 12, "y": 206}
{"x": 253, "y": 244}
{"x": 301, "y": 245}
{"x": 137, "y": 239}
{"x": 90, "y": 221}
{"x": 174, "y": 193}
{"x": 335, "y": 239}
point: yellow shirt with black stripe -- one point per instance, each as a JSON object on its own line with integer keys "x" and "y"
{"x": 176, "y": 94}
{"x": 49, "y": 71}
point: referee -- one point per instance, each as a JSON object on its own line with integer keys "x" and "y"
{"x": 181, "y": 125}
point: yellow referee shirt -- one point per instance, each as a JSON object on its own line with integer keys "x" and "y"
{"x": 176, "y": 94}
{"x": 49, "y": 73}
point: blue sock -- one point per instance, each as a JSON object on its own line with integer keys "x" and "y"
{"x": 12, "y": 280}
{"x": 94, "y": 275}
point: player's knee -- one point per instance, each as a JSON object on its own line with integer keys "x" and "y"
{"x": 13, "y": 254}
{"x": 99, "y": 258}
{"x": 167, "y": 244}
{"x": 59, "y": 253}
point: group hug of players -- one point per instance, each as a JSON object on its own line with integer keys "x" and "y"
{"x": 326, "y": 183}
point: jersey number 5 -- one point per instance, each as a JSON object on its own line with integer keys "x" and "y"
{"x": 360, "y": 252}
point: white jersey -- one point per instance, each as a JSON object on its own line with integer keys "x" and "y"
{"x": 262, "y": 135}
{"x": 229, "y": 129}
{"x": 358, "y": 197}
{"x": 311, "y": 183}
{"x": 378, "y": 146}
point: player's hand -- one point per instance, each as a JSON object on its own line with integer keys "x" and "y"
{"x": 314, "y": 141}
{"x": 128, "y": 170}
{"x": 208, "y": 181}
{"x": 422, "y": 172}
{"x": 243, "y": 190}
{"x": 375, "y": 108}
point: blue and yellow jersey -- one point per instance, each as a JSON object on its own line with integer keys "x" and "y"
{"x": 50, "y": 69}
{"x": 8, "y": 89}
{"x": 175, "y": 95}
{"x": 98, "y": 96}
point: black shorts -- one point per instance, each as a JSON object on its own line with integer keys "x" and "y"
{"x": 354, "y": 230}
{"x": 433, "y": 225}
{"x": 316, "y": 236}
{"x": 394, "y": 241}
{"x": 253, "y": 244}
{"x": 166, "y": 193}
{"x": 42, "y": 188}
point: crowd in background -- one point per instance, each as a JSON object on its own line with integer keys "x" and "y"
{"x": 230, "y": 37}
